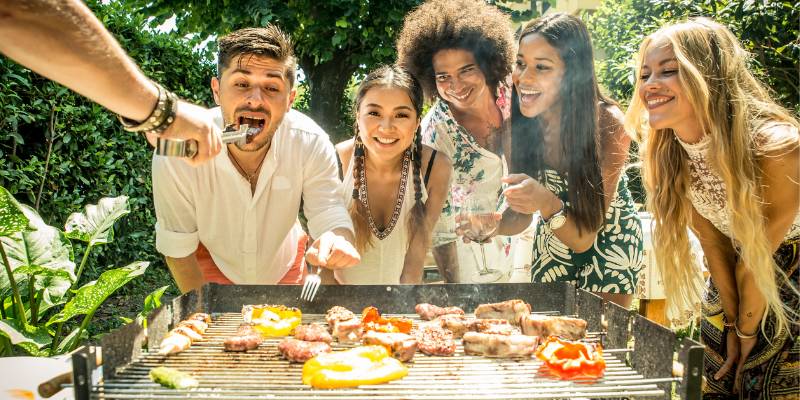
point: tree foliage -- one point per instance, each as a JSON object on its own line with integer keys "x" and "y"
{"x": 768, "y": 29}
{"x": 59, "y": 151}
{"x": 334, "y": 39}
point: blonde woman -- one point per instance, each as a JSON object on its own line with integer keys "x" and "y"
{"x": 720, "y": 156}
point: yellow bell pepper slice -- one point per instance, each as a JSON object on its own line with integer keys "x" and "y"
{"x": 272, "y": 320}
{"x": 365, "y": 365}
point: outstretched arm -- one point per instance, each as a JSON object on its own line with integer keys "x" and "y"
{"x": 63, "y": 41}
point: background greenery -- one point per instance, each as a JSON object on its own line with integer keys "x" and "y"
{"x": 59, "y": 151}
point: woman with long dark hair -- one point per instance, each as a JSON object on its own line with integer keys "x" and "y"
{"x": 393, "y": 184}
{"x": 569, "y": 150}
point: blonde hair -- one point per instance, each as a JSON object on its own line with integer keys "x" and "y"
{"x": 733, "y": 108}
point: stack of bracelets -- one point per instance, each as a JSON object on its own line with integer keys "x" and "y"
{"x": 162, "y": 116}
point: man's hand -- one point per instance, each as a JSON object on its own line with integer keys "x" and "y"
{"x": 526, "y": 195}
{"x": 195, "y": 123}
{"x": 332, "y": 251}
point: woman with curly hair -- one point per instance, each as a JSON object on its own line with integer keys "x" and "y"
{"x": 394, "y": 185}
{"x": 461, "y": 51}
{"x": 721, "y": 157}
{"x": 569, "y": 153}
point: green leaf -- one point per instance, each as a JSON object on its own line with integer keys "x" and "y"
{"x": 342, "y": 23}
{"x": 12, "y": 219}
{"x": 65, "y": 344}
{"x": 24, "y": 335}
{"x": 91, "y": 295}
{"x": 94, "y": 226}
{"x": 153, "y": 300}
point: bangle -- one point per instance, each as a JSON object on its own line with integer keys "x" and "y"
{"x": 742, "y": 335}
{"x": 162, "y": 116}
{"x": 726, "y": 324}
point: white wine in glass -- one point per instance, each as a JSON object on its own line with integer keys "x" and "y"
{"x": 479, "y": 221}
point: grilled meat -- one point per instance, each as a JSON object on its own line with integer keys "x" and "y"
{"x": 494, "y": 345}
{"x": 336, "y": 314}
{"x": 246, "y": 338}
{"x": 455, "y": 323}
{"x": 175, "y": 342}
{"x": 348, "y": 331}
{"x": 195, "y": 325}
{"x": 434, "y": 340}
{"x": 344, "y": 325}
{"x": 188, "y": 332}
{"x": 400, "y": 345}
{"x": 544, "y": 326}
{"x": 301, "y": 351}
{"x": 200, "y": 317}
{"x": 510, "y": 310}
{"x": 493, "y": 326}
{"x": 312, "y": 333}
{"x": 429, "y": 311}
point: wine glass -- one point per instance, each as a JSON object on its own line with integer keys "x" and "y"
{"x": 479, "y": 222}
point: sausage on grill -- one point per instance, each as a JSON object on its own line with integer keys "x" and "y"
{"x": 246, "y": 338}
{"x": 301, "y": 351}
{"x": 494, "y": 345}
{"x": 544, "y": 326}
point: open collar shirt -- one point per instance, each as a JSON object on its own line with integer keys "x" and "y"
{"x": 249, "y": 234}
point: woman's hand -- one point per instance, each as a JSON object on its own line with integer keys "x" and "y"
{"x": 526, "y": 195}
{"x": 745, "y": 347}
{"x": 732, "y": 354}
{"x": 463, "y": 226}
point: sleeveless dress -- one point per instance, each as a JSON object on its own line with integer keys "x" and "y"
{"x": 613, "y": 262}
{"x": 772, "y": 370}
{"x": 382, "y": 263}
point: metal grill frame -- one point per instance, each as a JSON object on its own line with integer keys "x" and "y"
{"x": 651, "y": 355}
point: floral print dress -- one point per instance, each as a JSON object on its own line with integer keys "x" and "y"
{"x": 613, "y": 262}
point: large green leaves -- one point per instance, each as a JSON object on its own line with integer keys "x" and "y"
{"x": 30, "y": 338}
{"x": 89, "y": 297}
{"x": 94, "y": 226}
{"x": 12, "y": 219}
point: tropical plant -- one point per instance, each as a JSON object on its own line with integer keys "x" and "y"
{"x": 38, "y": 293}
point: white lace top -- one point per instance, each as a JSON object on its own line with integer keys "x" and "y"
{"x": 708, "y": 191}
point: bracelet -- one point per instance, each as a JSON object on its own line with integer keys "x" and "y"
{"x": 726, "y": 324}
{"x": 162, "y": 116}
{"x": 742, "y": 335}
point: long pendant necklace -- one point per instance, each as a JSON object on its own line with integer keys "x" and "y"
{"x": 398, "y": 205}
{"x": 241, "y": 170}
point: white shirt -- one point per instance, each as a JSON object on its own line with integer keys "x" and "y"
{"x": 382, "y": 263}
{"x": 250, "y": 235}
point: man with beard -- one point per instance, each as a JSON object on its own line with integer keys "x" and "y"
{"x": 233, "y": 219}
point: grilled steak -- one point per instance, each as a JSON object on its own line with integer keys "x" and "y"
{"x": 401, "y": 345}
{"x": 336, "y": 314}
{"x": 301, "y": 351}
{"x": 510, "y": 310}
{"x": 246, "y": 338}
{"x": 434, "y": 340}
{"x": 455, "y": 323}
{"x": 544, "y": 326}
{"x": 312, "y": 333}
{"x": 348, "y": 331}
{"x": 494, "y": 326}
{"x": 493, "y": 345}
{"x": 429, "y": 311}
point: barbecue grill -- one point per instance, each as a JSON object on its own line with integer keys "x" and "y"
{"x": 638, "y": 352}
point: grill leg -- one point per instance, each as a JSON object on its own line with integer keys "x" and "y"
{"x": 83, "y": 365}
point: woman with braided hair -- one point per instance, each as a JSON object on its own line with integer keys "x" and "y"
{"x": 394, "y": 185}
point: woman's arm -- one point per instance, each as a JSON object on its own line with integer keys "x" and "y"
{"x": 437, "y": 187}
{"x": 527, "y": 195}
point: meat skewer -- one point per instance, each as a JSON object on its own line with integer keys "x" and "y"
{"x": 429, "y": 311}
{"x": 544, "y": 326}
{"x": 184, "y": 334}
{"x": 510, "y": 310}
{"x": 246, "y": 338}
{"x": 494, "y": 345}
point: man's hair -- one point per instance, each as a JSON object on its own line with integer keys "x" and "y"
{"x": 471, "y": 25}
{"x": 269, "y": 41}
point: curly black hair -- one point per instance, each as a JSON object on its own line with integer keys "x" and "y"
{"x": 471, "y": 25}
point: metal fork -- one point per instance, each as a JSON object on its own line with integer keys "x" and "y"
{"x": 311, "y": 284}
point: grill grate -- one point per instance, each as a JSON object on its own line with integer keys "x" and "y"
{"x": 263, "y": 373}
